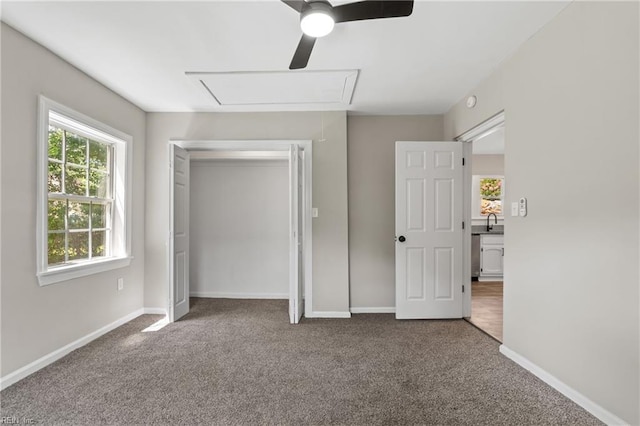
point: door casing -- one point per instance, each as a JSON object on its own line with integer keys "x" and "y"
{"x": 274, "y": 148}
{"x": 468, "y": 137}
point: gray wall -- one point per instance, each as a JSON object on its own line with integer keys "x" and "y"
{"x": 330, "y": 239}
{"x": 38, "y": 320}
{"x": 487, "y": 164}
{"x": 571, "y": 96}
{"x": 239, "y": 229}
{"x": 371, "y": 150}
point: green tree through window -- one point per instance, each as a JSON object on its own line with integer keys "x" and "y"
{"x": 490, "y": 196}
{"x": 80, "y": 197}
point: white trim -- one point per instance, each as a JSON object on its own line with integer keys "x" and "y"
{"x": 155, "y": 311}
{"x": 238, "y": 145}
{"x": 328, "y": 314}
{"x": 238, "y": 155}
{"x": 69, "y": 272}
{"x": 489, "y": 278}
{"x": 467, "y": 152}
{"x": 598, "y": 411}
{"x": 122, "y": 172}
{"x": 377, "y": 310}
{"x": 483, "y": 129}
{"x": 227, "y": 295}
{"x": 307, "y": 225}
{"x": 42, "y": 362}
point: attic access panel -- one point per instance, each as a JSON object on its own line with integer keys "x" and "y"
{"x": 279, "y": 87}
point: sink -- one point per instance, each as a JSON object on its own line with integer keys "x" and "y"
{"x": 482, "y": 229}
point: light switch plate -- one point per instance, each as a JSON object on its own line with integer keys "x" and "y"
{"x": 514, "y": 208}
{"x": 314, "y": 212}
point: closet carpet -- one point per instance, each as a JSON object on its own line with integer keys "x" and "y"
{"x": 237, "y": 362}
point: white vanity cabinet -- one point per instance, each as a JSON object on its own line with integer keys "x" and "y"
{"x": 491, "y": 257}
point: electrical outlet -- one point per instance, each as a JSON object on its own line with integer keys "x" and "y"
{"x": 120, "y": 284}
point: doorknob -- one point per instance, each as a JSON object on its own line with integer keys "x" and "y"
{"x": 402, "y": 239}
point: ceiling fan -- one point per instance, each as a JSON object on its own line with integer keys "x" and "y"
{"x": 317, "y": 18}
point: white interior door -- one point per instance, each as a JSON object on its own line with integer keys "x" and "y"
{"x": 179, "y": 233}
{"x": 429, "y": 236}
{"x": 295, "y": 283}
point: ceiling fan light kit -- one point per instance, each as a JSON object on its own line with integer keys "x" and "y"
{"x": 317, "y": 18}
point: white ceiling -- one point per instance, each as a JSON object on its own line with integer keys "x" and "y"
{"x": 422, "y": 64}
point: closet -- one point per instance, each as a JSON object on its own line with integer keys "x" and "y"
{"x": 240, "y": 222}
{"x": 239, "y": 228}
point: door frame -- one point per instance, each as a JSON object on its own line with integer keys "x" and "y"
{"x": 478, "y": 131}
{"x": 273, "y": 148}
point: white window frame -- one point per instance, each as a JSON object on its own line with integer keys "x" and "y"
{"x": 476, "y": 199}
{"x": 120, "y": 254}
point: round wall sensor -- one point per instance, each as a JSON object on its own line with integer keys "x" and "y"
{"x": 471, "y": 101}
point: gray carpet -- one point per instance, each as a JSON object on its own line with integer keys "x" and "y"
{"x": 231, "y": 362}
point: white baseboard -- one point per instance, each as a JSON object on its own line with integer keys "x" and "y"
{"x": 40, "y": 363}
{"x": 155, "y": 311}
{"x": 328, "y": 314}
{"x": 601, "y": 413}
{"x": 485, "y": 279}
{"x": 224, "y": 295}
{"x": 378, "y": 310}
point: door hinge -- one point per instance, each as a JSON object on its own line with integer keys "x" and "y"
{"x": 480, "y": 269}
{"x": 481, "y": 249}
{"x": 463, "y": 288}
{"x": 463, "y": 225}
{"x": 463, "y": 161}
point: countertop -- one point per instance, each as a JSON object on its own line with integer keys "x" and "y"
{"x": 482, "y": 229}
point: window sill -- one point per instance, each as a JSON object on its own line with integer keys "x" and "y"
{"x": 66, "y": 273}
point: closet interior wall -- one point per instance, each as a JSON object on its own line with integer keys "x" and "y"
{"x": 239, "y": 227}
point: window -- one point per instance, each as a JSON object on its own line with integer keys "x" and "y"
{"x": 83, "y": 203}
{"x": 487, "y": 196}
{"x": 490, "y": 196}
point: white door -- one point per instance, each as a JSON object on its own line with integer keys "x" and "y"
{"x": 429, "y": 230}
{"x": 295, "y": 258}
{"x": 179, "y": 233}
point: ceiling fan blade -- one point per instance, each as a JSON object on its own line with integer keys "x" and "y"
{"x": 372, "y": 9}
{"x": 298, "y": 5}
{"x": 303, "y": 52}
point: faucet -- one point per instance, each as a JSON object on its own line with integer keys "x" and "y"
{"x": 489, "y": 227}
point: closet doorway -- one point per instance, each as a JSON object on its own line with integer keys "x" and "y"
{"x": 296, "y": 156}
